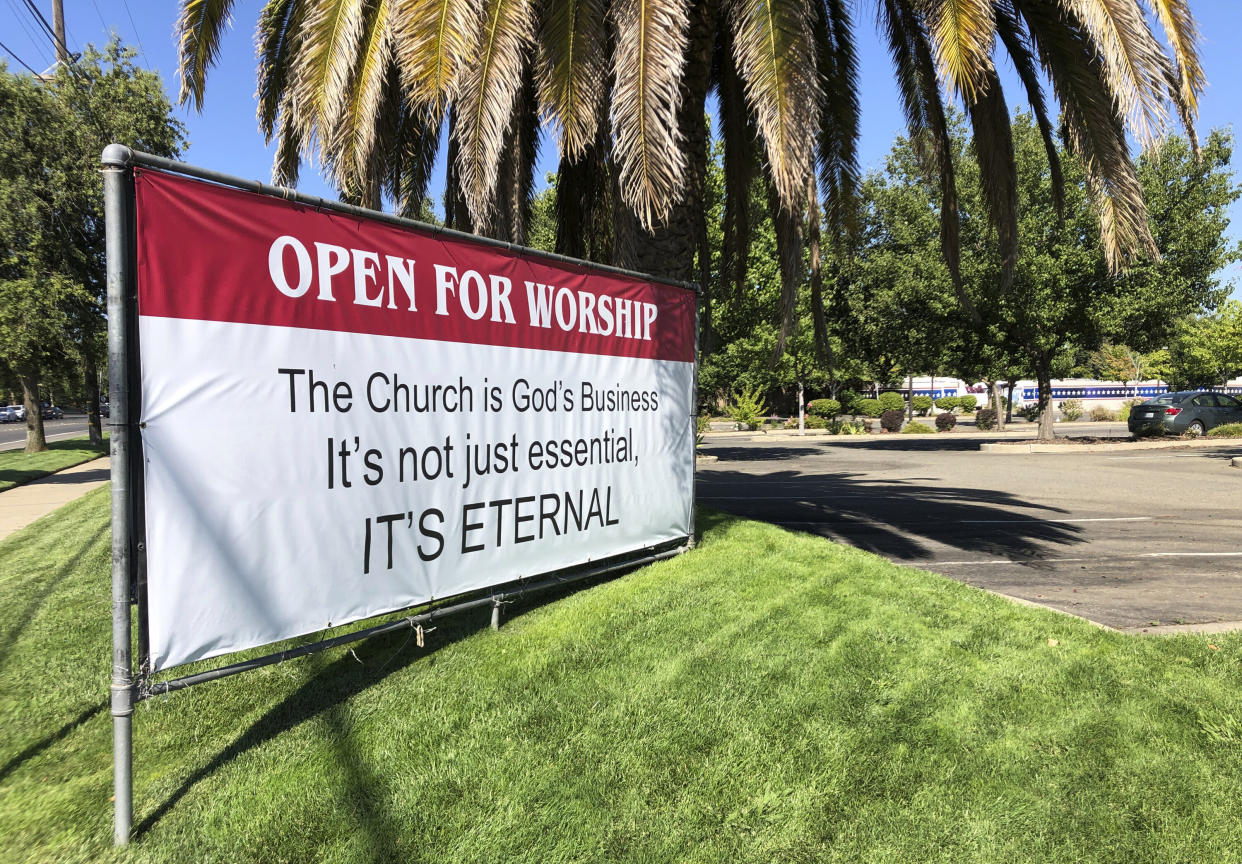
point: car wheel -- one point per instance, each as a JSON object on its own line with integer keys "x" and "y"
{"x": 1196, "y": 428}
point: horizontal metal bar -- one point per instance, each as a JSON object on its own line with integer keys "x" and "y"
{"x": 116, "y": 154}
{"x": 146, "y": 690}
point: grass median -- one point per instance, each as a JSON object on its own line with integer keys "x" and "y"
{"x": 17, "y": 467}
{"x": 770, "y": 697}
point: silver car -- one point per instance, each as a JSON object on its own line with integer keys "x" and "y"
{"x": 1191, "y": 411}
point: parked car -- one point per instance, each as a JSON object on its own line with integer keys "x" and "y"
{"x": 1190, "y": 411}
{"x": 51, "y": 412}
{"x": 7, "y": 415}
{"x": 19, "y": 411}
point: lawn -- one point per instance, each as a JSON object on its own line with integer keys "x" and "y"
{"x": 769, "y": 697}
{"x": 17, "y": 467}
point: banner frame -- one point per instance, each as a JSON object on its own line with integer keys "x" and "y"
{"x": 128, "y": 685}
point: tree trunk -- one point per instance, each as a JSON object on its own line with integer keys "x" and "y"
{"x": 90, "y": 378}
{"x": 35, "y": 440}
{"x": 801, "y": 414}
{"x": 909, "y": 398}
{"x": 994, "y": 389}
{"x": 1009, "y": 403}
{"x": 1043, "y": 372}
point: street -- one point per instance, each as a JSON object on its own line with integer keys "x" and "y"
{"x": 1129, "y": 540}
{"x": 13, "y": 435}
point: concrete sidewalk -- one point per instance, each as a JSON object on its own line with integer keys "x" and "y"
{"x": 23, "y": 504}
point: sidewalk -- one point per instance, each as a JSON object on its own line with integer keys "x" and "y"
{"x": 24, "y": 504}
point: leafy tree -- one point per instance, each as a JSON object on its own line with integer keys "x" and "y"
{"x": 1207, "y": 350}
{"x": 51, "y": 208}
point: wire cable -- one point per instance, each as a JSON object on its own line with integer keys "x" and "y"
{"x": 9, "y": 51}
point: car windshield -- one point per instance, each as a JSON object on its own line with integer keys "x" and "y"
{"x": 1166, "y": 399}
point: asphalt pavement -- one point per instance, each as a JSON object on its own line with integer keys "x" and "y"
{"x": 1133, "y": 540}
{"x": 13, "y": 435}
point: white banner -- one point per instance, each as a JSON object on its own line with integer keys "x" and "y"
{"x": 302, "y": 477}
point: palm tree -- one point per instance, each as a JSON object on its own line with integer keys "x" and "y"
{"x": 368, "y": 85}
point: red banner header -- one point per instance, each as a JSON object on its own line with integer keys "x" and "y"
{"x": 212, "y": 253}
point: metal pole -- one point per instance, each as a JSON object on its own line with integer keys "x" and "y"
{"x": 117, "y": 180}
{"x": 694, "y": 427}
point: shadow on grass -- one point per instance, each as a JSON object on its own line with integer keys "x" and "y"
{"x": 894, "y": 518}
{"x": 39, "y": 746}
{"x": 330, "y": 684}
{"x": 13, "y": 473}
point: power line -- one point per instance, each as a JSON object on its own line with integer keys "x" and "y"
{"x": 56, "y": 40}
{"x": 9, "y": 51}
{"x": 21, "y": 20}
{"x": 138, "y": 38}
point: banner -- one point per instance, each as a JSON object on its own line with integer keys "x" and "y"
{"x": 342, "y": 417}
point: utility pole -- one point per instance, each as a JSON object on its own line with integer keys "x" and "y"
{"x": 58, "y": 26}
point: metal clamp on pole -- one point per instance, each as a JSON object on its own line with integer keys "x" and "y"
{"x": 118, "y": 186}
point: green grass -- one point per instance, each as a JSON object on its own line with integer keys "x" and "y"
{"x": 1228, "y": 430}
{"x": 17, "y": 467}
{"x": 770, "y": 697}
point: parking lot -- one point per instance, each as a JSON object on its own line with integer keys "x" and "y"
{"x": 1132, "y": 540}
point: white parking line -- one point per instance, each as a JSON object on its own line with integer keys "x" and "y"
{"x": 1084, "y": 519}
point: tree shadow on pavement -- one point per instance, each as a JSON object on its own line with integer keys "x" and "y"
{"x": 899, "y": 519}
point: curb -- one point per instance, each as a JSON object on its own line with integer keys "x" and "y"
{"x": 1236, "y": 461}
{"x": 1031, "y": 447}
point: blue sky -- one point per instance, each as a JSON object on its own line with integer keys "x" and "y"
{"x": 224, "y": 136}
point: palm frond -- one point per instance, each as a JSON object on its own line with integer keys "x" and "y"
{"x": 739, "y": 158}
{"x": 1183, "y": 35}
{"x": 199, "y": 29}
{"x": 1013, "y": 37}
{"x": 276, "y": 43}
{"x": 489, "y": 86}
{"x": 287, "y": 161}
{"x": 1131, "y": 58}
{"x": 1095, "y": 131}
{"x": 962, "y": 33}
{"x": 839, "y": 117}
{"x": 329, "y": 43}
{"x": 775, "y": 55}
{"x": 572, "y": 70}
{"x": 358, "y": 121}
{"x": 434, "y": 41}
{"x": 414, "y": 142}
{"x": 998, "y": 170}
{"x": 647, "y": 64}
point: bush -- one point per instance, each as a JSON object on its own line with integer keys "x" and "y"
{"x": 1151, "y": 432}
{"x": 922, "y": 404}
{"x": 748, "y": 409}
{"x": 701, "y": 424}
{"x": 1100, "y": 414}
{"x": 868, "y": 407}
{"x": 1127, "y": 406}
{"x": 848, "y": 427}
{"x": 891, "y": 401}
{"x": 1029, "y": 412}
{"x": 985, "y": 419}
{"x": 1071, "y": 409}
{"x": 914, "y": 427}
{"x": 968, "y": 404}
{"x": 948, "y": 403}
{"x": 824, "y": 407}
{"x": 891, "y": 420}
{"x": 849, "y": 401}
{"x": 946, "y": 422}
{"x": 1229, "y": 430}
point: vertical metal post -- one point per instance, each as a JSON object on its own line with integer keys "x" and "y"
{"x": 496, "y": 613}
{"x": 694, "y": 425}
{"x": 117, "y": 180}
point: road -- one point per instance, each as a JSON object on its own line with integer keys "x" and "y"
{"x": 13, "y": 435}
{"x": 1130, "y": 539}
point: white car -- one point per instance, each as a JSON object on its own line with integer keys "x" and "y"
{"x": 17, "y": 411}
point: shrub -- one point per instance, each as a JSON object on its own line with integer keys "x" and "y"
{"x": 1151, "y": 432}
{"x": 914, "y": 427}
{"x": 701, "y": 424}
{"x": 1029, "y": 412}
{"x": 948, "y": 403}
{"x": 868, "y": 407}
{"x": 891, "y": 420}
{"x": 813, "y": 422}
{"x": 748, "y": 409}
{"x": 1071, "y": 409}
{"x": 922, "y": 404}
{"x": 946, "y": 422}
{"x": 824, "y": 407}
{"x": 849, "y": 401}
{"x": 1124, "y": 412}
{"x": 968, "y": 404}
{"x": 848, "y": 427}
{"x": 985, "y": 419}
{"x": 1229, "y": 430}
{"x": 1100, "y": 414}
{"x": 891, "y": 401}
